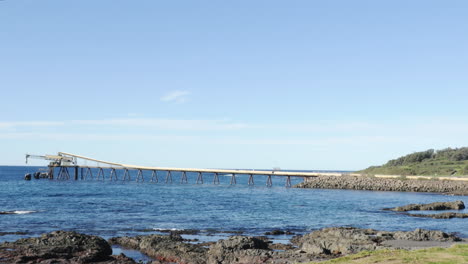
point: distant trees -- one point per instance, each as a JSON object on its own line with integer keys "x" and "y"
{"x": 457, "y": 154}
{"x": 412, "y": 158}
{"x": 449, "y": 161}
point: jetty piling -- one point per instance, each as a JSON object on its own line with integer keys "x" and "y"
{"x": 269, "y": 182}
{"x": 140, "y": 176}
{"x": 169, "y": 177}
{"x": 154, "y": 176}
{"x": 215, "y": 178}
{"x": 100, "y": 174}
{"x": 288, "y": 181}
{"x": 233, "y": 179}
{"x": 200, "y": 178}
{"x": 251, "y": 180}
{"x": 183, "y": 178}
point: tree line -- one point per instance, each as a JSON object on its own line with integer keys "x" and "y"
{"x": 451, "y": 154}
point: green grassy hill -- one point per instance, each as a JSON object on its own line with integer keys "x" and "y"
{"x": 443, "y": 162}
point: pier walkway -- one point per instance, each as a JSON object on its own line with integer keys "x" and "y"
{"x": 81, "y": 170}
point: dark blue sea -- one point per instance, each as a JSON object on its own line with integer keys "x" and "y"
{"x": 116, "y": 208}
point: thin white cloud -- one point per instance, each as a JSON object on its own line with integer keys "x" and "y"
{"x": 95, "y": 137}
{"x": 177, "y": 96}
{"x": 9, "y": 125}
{"x": 400, "y": 128}
{"x": 166, "y": 124}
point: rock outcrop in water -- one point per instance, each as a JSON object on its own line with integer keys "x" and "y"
{"x": 438, "y": 206}
{"x": 385, "y": 184}
{"x": 60, "y": 247}
{"x": 441, "y": 215}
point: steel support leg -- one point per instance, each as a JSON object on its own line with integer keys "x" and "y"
{"x": 288, "y": 182}
{"x": 251, "y": 179}
{"x": 169, "y": 177}
{"x": 183, "y": 178}
{"x": 100, "y": 173}
{"x": 215, "y": 178}
{"x": 113, "y": 174}
{"x": 200, "y": 178}
{"x": 140, "y": 175}
{"x": 233, "y": 179}
{"x": 269, "y": 183}
{"x": 154, "y": 176}
{"x": 66, "y": 174}
{"x": 126, "y": 175}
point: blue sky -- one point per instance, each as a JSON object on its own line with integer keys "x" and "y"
{"x": 238, "y": 84}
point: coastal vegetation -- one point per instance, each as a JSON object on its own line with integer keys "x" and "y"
{"x": 455, "y": 254}
{"x": 445, "y": 162}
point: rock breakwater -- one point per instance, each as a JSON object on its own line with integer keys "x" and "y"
{"x": 385, "y": 184}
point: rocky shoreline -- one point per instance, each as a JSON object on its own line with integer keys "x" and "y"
{"x": 71, "y": 247}
{"x": 386, "y": 184}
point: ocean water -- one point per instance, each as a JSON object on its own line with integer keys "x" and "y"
{"x": 116, "y": 208}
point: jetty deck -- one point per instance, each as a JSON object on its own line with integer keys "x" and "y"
{"x": 82, "y": 170}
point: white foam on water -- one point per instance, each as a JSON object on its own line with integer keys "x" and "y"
{"x": 164, "y": 229}
{"x": 23, "y": 212}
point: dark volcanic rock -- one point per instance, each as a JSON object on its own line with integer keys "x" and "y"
{"x": 253, "y": 250}
{"x": 12, "y": 233}
{"x": 239, "y": 249}
{"x": 349, "y": 240}
{"x": 340, "y": 240}
{"x": 166, "y": 249}
{"x": 438, "y": 206}
{"x": 278, "y": 232}
{"x": 318, "y": 245}
{"x": 441, "y": 215}
{"x": 425, "y": 235}
{"x": 236, "y": 249}
{"x": 235, "y": 243}
{"x": 279, "y": 246}
{"x": 385, "y": 184}
{"x": 59, "y": 247}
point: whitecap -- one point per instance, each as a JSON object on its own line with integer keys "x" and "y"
{"x": 166, "y": 229}
{"x": 17, "y": 212}
{"x": 24, "y": 212}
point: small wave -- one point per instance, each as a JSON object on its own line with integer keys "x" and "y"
{"x": 17, "y": 212}
{"x": 167, "y": 229}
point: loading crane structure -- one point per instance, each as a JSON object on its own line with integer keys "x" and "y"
{"x": 56, "y": 160}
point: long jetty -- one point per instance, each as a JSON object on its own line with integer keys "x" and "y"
{"x": 64, "y": 161}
